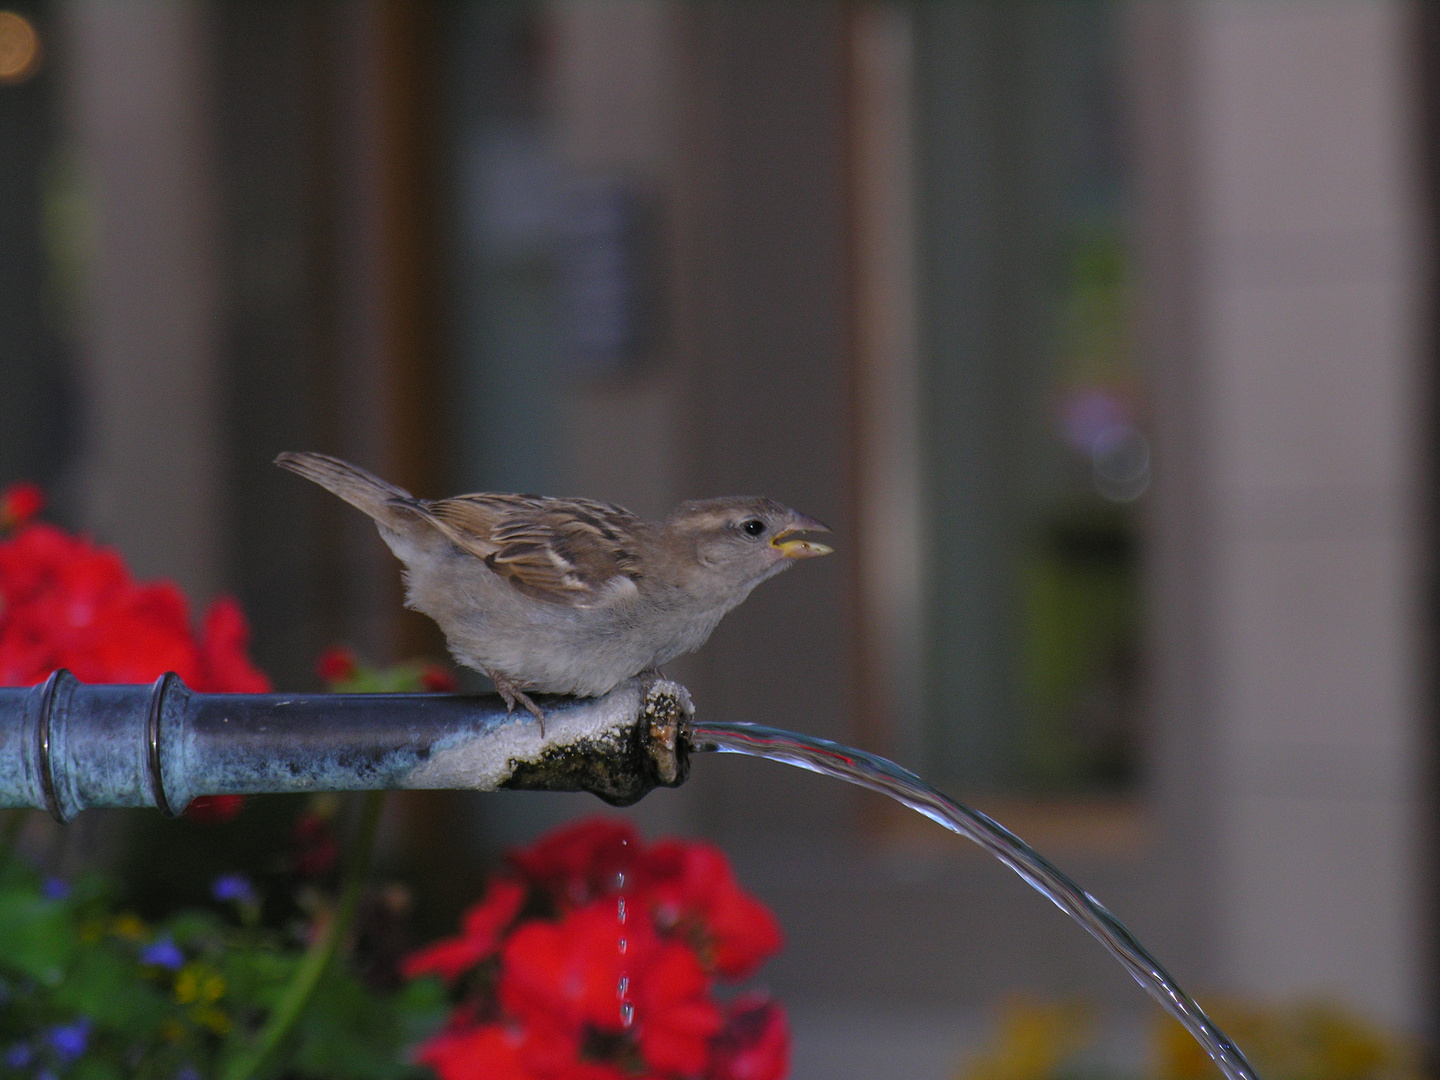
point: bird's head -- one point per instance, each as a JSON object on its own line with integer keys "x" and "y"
{"x": 741, "y": 540}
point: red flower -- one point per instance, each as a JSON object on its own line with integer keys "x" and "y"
{"x": 336, "y": 664}
{"x": 437, "y": 680}
{"x": 617, "y": 985}
{"x": 67, "y": 603}
{"x": 581, "y": 861}
{"x": 20, "y": 502}
{"x": 511, "y": 1052}
{"x": 691, "y": 889}
{"x": 479, "y": 937}
{"x": 754, "y": 1044}
{"x": 227, "y": 668}
{"x": 490, "y": 1052}
{"x": 215, "y": 809}
{"x": 569, "y": 972}
{"x": 314, "y": 846}
{"x": 674, "y": 1016}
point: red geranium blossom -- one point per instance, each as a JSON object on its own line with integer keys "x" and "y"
{"x": 480, "y": 937}
{"x": 437, "y": 680}
{"x": 512, "y": 1052}
{"x": 691, "y": 888}
{"x": 223, "y": 655}
{"x": 674, "y": 1016}
{"x": 491, "y": 1052}
{"x": 569, "y": 971}
{"x": 604, "y": 954}
{"x": 65, "y": 602}
{"x": 215, "y": 809}
{"x": 755, "y": 1044}
{"x": 336, "y": 664}
{"x": 314, "y": 848}
{"x": 580, "y": 862}
{"x": 20, "y": 502}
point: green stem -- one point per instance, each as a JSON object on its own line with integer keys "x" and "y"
{"x": 318, "y": 957}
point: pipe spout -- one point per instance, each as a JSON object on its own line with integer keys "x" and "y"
{"x": 66, "y": 746}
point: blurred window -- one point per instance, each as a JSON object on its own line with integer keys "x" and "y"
{"x": 1033, "y": 423}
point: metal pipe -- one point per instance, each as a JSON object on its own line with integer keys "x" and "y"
{"x": 66, "y": 746}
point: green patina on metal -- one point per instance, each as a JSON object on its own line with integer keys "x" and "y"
{"x": 66, "y": 746}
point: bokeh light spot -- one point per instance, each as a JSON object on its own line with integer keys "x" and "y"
{"x": 19, "y": 48}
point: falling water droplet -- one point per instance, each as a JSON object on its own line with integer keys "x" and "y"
{"x": 619, "y": 879}
{"x": 627, "y": 1014}
{"x": 623, "y": 988}
{"x": 620, "y": 910}
{"x": 624, "y": 944}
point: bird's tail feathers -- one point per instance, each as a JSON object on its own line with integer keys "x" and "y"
{"x": 363, "y": 490}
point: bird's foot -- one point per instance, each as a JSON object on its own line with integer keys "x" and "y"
{"x": 513, "y": 694}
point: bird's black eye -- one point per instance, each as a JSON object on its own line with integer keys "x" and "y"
{"x": 753, "y": 527}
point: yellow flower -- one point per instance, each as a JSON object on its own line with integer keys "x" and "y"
{"x": 1309, "y": 1041}
{"x": 212, "y": 1018}
{"x": 199, "y": 982}
{"x": 129, "y": 926}
{"x": 212, "y": 988}
{"x": 1033, "y": 1041}
{"x": 187, "y": 983}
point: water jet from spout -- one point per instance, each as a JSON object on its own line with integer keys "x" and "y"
{"x": 879, "y": 774}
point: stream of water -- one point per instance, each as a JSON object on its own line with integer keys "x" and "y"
{"x": 879, "y": 774}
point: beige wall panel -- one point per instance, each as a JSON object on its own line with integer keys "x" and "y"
{"x": 1304, "y": 121}
{"x": 1309, "y": 390}
{"x": 1319, "y": 901}
{"x": 1318, "y": 648}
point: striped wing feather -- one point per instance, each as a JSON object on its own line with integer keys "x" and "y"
{"x": 562, "y": 551}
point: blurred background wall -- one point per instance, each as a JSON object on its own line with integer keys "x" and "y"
{"x": 1100, "y": 333}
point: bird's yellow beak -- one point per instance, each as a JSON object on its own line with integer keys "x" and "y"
{"x": 793, "y": 548}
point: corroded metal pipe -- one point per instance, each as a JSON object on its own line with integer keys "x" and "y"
{"x": 66, "y": 746}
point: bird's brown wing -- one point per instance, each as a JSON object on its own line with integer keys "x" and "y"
{"x": 563, "y": 551}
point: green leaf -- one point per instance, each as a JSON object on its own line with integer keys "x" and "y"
{"x": 36, "y": 937}
{"x": 257, "y": 975}
{"x": 196, "y": 926}
{"x": 422, "y": 1007}
{"x": 93, "y": 1068}
{"x": 355, "y": 1033}
{"x": 108, "y": 987}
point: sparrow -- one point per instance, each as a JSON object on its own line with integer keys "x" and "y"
{"x": 569, "y": 596}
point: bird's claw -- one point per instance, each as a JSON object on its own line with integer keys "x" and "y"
{"x": 513, "y": 694}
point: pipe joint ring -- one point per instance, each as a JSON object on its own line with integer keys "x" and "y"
{"x": 152, "y": 742}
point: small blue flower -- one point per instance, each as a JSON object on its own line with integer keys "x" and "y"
{"x": 46, "y": 1074}
{"x": 187, "y": 1072}
{"x": 163, "y": 952}
{"x": 18, "y": 1056}
{"x": 235, "y": 887}
{"x": 55, "y": 888}
{"x": 69, "y": 1040}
